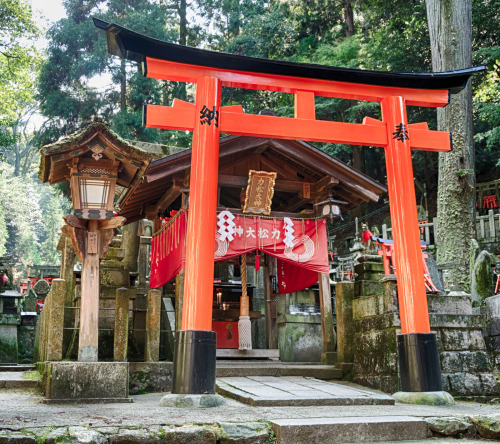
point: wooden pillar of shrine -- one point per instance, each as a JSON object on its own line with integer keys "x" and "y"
{"x": 195, "y": 345}
{"x": 327, "y": 330}
{"x": 89, "y": 306}
{"x": 419, "y": 365}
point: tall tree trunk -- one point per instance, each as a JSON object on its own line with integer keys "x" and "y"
{"x": 358, "y": 157}
{"x": 123, "y": 86}
{"x": 182, "y": 40}
{"x": 348, "y": 18}
{"x": 450, "y": 29}
{"x": 182, "y": 23}
{"x": 17, "y": 148}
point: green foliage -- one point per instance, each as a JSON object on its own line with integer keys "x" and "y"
{"x": 18, "y": 56}
{"x": 69, "y": 89}
{"x": 30, "y": 217}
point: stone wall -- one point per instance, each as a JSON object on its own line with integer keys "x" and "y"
{"x": 8, "y": 337}
{"x": 376, "y": 324}
{"x": 26, "y": 343}
{"x": 465, "y": 364}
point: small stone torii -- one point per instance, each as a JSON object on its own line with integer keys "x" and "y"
{"x": 211, "y": 71}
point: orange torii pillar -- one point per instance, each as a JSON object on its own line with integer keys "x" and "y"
{"x": 196, "y": 343}
{"x": 419, "y": 366}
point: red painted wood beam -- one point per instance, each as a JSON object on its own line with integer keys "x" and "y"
{"x": 372, "y": 133}
{"x": 180, "y": 72}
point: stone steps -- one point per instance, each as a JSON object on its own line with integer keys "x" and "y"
{"x": 276, "y": 368}
{"x": 15, "y": 379}
{"x": 349, "y": 429}
{"x": 16, "y": 367}
{"x": 297, "y": 391}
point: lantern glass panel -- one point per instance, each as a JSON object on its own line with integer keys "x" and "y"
{"x": 94, "y": 193}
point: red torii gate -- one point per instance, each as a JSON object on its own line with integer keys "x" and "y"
{"x": 210, "y": 71}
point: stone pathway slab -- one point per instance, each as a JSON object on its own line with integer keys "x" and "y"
{"x": 296, "y": 391}
{"x": 348, "y": 430}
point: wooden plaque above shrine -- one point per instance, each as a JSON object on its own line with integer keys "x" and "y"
{"x": 260, "y": 191}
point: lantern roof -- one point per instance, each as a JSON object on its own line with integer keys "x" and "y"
{"x": 98, "y": 142}
{"x": 135, "y": 46}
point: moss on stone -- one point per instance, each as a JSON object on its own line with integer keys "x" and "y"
{"x": 218, "y": 431}
{"x": 32, "y": 376}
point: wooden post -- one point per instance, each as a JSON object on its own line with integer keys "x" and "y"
{"x": 179, "y": 296}
{"x": 153, "y": 318}
{"x": 55, "y": 322}
{"x": 144, "y": 246}
{"x": 120, "y": 346}
{"x": 244, "y": 324}
{"x": 89, "y": 309}
{"x": 327, "y": 330}
{"x": 491, "y": 220}
{"x": 270, "y": 311}
{"x": 345, "y": 325}
{"x": 67, "y": 273}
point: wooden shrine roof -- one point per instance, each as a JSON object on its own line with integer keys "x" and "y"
{"x": 54, "y": 157}
{"x": 303, "y": 170}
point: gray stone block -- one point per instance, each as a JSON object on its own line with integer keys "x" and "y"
{"x": 244, "y": 433}
{"x": 493, "y": 306}
{"x": 134, "y": 436}
{"x": 444, "y": 304}
{"x": 188, "y": 434}
{"x": 490, "y": 384}
{"x": 477, "y": 340}
{"x": 9, "y": 437}
{"x": 86, "y": 381}
{"x": 465, "y": 384}
{"x": 455, "y": 321}
{"x": 300, "y": 342}
{"x": 475, "y": 362}
{"x": 348, "y": 429}
{"x": 83, "y": 435}
{"x": 150, "y": 376}
{"x": 448, "y": 426}
{"x": 452, "y": 340}
{"x": 192, "y": 401}
{"x": 488, "y": 426}
{"x": 58, "y": 435}
{"x": 493, "y": 327}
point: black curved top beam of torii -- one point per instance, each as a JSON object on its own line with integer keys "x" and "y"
{"x": 134, "y": 46}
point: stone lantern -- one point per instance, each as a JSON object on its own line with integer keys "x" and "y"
{"x": 95, "y": 161}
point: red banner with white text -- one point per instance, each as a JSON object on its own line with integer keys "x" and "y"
{"x": 168, "y": 251}
{"x": 300, "y": 244}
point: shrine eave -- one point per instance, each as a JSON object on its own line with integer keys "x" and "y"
{"x": 134, "y": 46}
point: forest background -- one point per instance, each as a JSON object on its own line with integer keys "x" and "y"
{"x": 74, "y": 81}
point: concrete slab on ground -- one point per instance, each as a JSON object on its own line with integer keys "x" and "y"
{"x": 227, "y": 368}
{"x": 348, "y": 429}
{"x": 295, "y": 391}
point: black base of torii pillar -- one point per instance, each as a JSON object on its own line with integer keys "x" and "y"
{"x": 195, "y": 354}
{"x": 419, "y": 367}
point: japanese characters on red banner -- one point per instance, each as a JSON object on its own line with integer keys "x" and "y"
{"x": 299, "y": 245}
